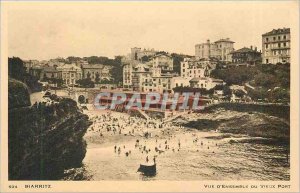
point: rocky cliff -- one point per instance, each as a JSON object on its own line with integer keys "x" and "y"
{"x": 44, "y": 139}
{"x": 238, "y": 122}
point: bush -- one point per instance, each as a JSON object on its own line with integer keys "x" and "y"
{"x": 86, "y": 83}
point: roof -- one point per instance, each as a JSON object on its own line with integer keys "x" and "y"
{"x": 92, "y": 66}
{"x": 243, "y": 50}
{"x": 161, "y": 54}
{"x": 225, "y": 40}
{"x": 216, "y": 80}
{"x": 277, "y": 31}
{"x": 50, "y": 69}
{"x": 68, "y": 67}
{"x": 198, "y": 79}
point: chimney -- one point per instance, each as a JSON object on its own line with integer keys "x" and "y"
{"x": 251, "y": 47}
{"x": 208, "y": 41}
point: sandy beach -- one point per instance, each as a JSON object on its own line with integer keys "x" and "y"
{"x": 117, "y": 145}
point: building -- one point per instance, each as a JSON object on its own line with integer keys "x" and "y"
{"x": 163, "y": 61}
{"x": 276, "y": 46}
{"x": 150, "y": 79}
{"x": 36, "y": 71}
{"x": 50, "y": 72}
{"x": 205, "y": 82}
{"x": 139, "y": 73}
{"x": 127, "y": 65}
{"x": 180, "y": 81}
{"x": 105, "y": 73}
{"x": 91, "y": 71}
{"x": 193, "y": 67}
{"x": 28, "y": 64}
{"x": 220, "y": 49}
{"x": 246, "y": 56}
{"x": 135, "y": 72}
{"x": 69, "y": 73}
{"x": 138, "y": 53}
{"x": 96, "y": 72}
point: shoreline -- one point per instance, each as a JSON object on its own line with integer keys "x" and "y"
{"x": 101, "y": 158}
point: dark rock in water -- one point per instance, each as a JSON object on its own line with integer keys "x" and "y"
{"x": 43, "y": 141}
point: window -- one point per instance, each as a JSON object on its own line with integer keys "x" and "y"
{"x": 183, "y": 70}
{"x": 284, "y": 37}
{"x": 274, "y": 38}
{"x": 278, "y": 37}
{"x": 284, "y": 44}
{"x": 183, "y": 65}
{"x": 266, "y": 46}
{"x": 267, "y": 39}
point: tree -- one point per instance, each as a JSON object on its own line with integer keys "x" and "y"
{"x": 88, "y": 75}
{"x": 81, "y": 99}
{"x": 45, "y": 78}
{"x": 97, "y": 79}
{"x": 225, "y": 88}
{"x": 86, "y": 83}
{"x": 239, "y": 93}
{"x": 117, "y": 70}
{"x": 145, "y": 59}
{"x": 16, "y": 68}
{"x": 177, "y": 59}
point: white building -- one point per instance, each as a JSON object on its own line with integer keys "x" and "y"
{"x": 163, "y": 61}
{"x": 205, "y": 82}
{"x": 69, "y": 73}
{"x": 191, "y": 67}
{"x": 180, "y": 81}
{"x": 139, "y": 53}
{"x": 276, "y": 46}
{"x": 220, "y": 49}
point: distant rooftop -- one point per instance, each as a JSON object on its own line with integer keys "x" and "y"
{"x": 244, "y": 50}
{"x": 92, "y": 66}
{"x": 277, "y": 31}
{"x": 225, "y": 40}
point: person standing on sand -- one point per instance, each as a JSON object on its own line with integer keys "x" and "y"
{"x": 147, "y": 159}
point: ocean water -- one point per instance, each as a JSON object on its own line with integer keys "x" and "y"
{"x": 216, "y": 159}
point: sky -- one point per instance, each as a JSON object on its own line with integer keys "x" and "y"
{"x": 44, "y": 30}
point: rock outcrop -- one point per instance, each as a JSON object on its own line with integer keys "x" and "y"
{"x": 253, "y": 124}
{"x": 44, "y": 140}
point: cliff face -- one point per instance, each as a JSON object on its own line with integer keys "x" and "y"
{"x": 44, "y": 140}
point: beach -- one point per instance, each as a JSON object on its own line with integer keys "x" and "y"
{"x": 117, "y": 144}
